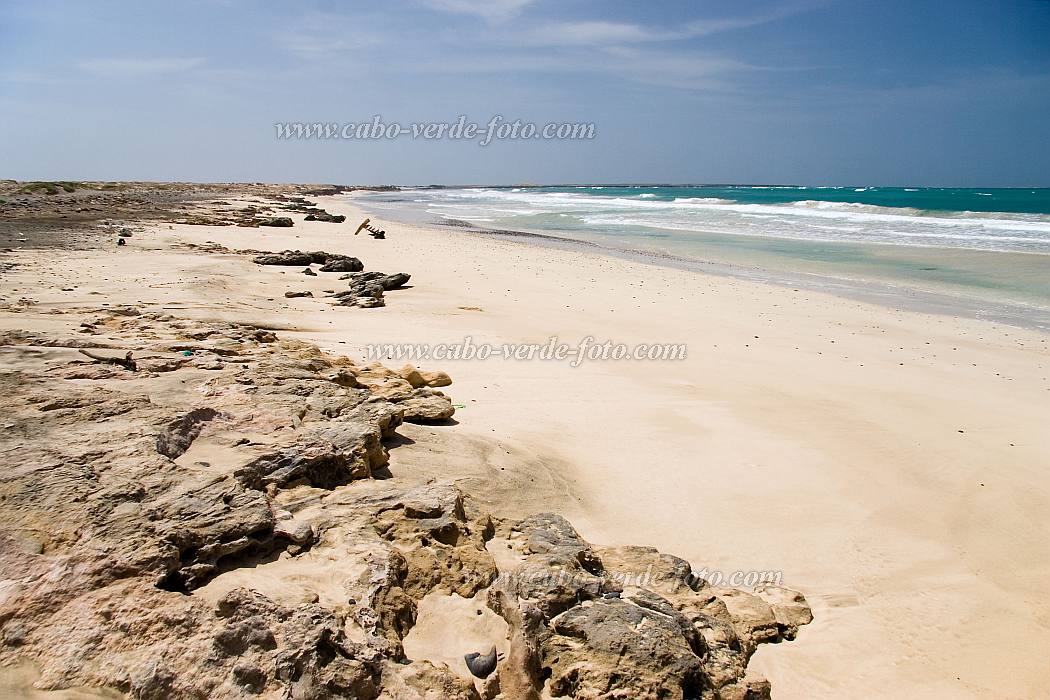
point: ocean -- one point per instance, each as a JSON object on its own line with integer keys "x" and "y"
{"x": 978, "y": 252}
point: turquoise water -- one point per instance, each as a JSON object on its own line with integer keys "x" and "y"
{"x": 987, "y": 248}
{"x": 930, "y": 199}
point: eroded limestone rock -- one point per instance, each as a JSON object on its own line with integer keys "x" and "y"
{"x": 119, "y": 512}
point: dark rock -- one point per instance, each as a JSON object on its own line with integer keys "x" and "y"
{"x": 181, "y": 432}
{"x": 481, "y": 665}
{"x": 292, "y": 258}
{"x": 342, "y": 263}
{"x": 326, "y": 217}
{"x": 278, "y": 221}
{"x": 366, "y": 288}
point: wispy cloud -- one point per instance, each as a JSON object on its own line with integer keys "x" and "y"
{"x": 323, "y": 35}
{"x": 654, "y": 54}
{"x": 138, "y": 67}
{"x": 703, "y": 27}
{"x": 491, "y": 10}
{"x": 685, "y": 70}
{"x": 595, "y": 34}
{"x": 602, "y": 33}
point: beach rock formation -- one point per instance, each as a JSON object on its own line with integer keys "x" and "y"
{"x": 291, "y": 258}
{"x": 366, "y": 289}
{"x": 278, "y": 221}
{"x": 628, "y": 622}
{"x": 329, "y": 262}
{"x": 342, "y": 263}
{"x": 419, "y": 378}
{"x": 312, "y": 211}
{"x": 173, "y": 529}
{"x": 322, "y": 215}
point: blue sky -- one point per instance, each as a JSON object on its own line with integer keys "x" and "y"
{"x": 777, "y": 91}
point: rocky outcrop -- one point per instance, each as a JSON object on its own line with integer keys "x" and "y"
{"x": 291, "y": 258}
{"x": 329, "y": 262}
{"x": 342, "y": 263}
{"x": 366, "y": 288}
{"x": 312, "y": 211}
{"x": 277, "y": 221}
{"x": 136, "y": 510}
{"x": 417, "y": 400}
{"x": 297, "y": 258}
{"x": 384, "y": 281}
{"x": 628, "y": 622}
{"x": 322, "y": 215}
{"x": 419, "y": 378}
{"x": 177, "y": 437}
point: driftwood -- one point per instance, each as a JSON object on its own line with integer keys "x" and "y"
{"x": 373, "y": 232}
{"x": 126, "y": 362}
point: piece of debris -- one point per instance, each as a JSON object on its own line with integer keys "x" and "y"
{"x": 373, "y": 232}
{"x": 126, "y": 362}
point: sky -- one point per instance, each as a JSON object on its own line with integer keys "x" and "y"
{"x": 818, "y": 92}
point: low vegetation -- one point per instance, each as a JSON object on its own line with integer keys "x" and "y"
{"x": 49, "y": 187}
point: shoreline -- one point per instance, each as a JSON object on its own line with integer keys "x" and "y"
{"x": 889, "y": 463}
{"x": 801, "y": 428}
{"x": 904, "y": 295}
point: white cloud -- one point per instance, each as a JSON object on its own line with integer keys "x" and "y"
{"x": 138, "y": 67}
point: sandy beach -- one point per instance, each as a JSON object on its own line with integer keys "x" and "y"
{"x": 522, "y": 350}
{"x": 890, "y": 464}
{"x": 887, "y": 464}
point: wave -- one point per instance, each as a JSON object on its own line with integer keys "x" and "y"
{"x": 856, "y": 207}
{"x": 808, "y": 219}
{"x": 807, "y": 207}
{"x": 703, "y": 200}
{"x": 845, "y": 233}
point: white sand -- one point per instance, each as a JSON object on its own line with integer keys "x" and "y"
{"x": 827, "y": 448}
